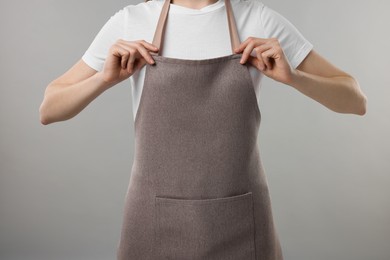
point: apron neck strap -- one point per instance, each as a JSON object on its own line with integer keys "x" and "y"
{"x": 160, "y": 29}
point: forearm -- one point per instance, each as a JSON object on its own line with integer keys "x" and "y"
{"x": 341, "y": 94}
{"x": 64, "y": 102}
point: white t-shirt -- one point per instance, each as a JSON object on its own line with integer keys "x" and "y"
{"x": 196, "y": 34}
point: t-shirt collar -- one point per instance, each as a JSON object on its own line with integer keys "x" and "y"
{"x": 182, "y": 9}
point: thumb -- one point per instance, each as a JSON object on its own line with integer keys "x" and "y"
{"x": 140, "y": 63}
{"x": 254, "y": 61}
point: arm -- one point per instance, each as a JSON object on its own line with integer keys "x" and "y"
{"x": 314, "y": 76}
{"x": 67, "y": 95}
{"x": 278, "y": 57}
{"x": 320, "y": 80}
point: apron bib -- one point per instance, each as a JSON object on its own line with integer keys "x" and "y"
{"x": 197, "y": 188}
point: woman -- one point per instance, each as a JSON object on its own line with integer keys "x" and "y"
{"x": 198, "y": 188}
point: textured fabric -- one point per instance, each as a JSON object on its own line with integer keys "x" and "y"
{"x": 196, "y": 34}
{"x": 197, "y": 188}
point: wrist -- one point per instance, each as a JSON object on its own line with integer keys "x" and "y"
{"x": 293, "y": 78}
{"x": 101, "y": 82}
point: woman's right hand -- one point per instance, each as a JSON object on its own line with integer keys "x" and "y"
{"x": 126, "y": 57}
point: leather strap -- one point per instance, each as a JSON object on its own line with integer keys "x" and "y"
{"x": 160, "y": 29}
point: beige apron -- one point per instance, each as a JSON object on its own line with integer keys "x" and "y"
{"x": 197, "y": 188}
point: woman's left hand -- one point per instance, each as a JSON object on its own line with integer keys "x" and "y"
{"x": 270, "y": 58}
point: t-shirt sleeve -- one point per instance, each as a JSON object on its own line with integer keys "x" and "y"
{"x": 112, "y": 30}
{"x": 295, "y": 46}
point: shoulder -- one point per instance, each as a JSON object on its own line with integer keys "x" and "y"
{"x": 143, "y": 7}
{"x": 254, "y": 5}
{"x": 248, "y": 3}
{"x": 250, "y": 8}
{"x": 140, "y": 12}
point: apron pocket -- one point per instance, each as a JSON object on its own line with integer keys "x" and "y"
{"x": 219, "y": 228}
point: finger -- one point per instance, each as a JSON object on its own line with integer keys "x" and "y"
{"x": 139, "y": 64}
{"x": 139, "y": 48}
{"x": 268, "y": 62}
{"x": 149, "y": 46}
{"x": 243, "y": 44}
{"x": 131, "y": 51}
{"x": 124, "y": 59}
{"x": 262, "y": 62}
{"x": 253, "y": 61}
{"x": 247, "y": 51}
{"x": 256, "y": 63}
{"x": 271, "y": 53}
{"x": 121, "y": 53}
{"x": 145, "y": 54}
{"x": 131, "y": 61}
{"x": 262, "y": 48}
{"x": 265, "y": 59}
{"x": 146, "y": 44}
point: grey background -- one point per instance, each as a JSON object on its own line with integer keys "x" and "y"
{"x": 62, "y": 186}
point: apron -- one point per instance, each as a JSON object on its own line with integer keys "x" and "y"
{"x": 197, "y": 188}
